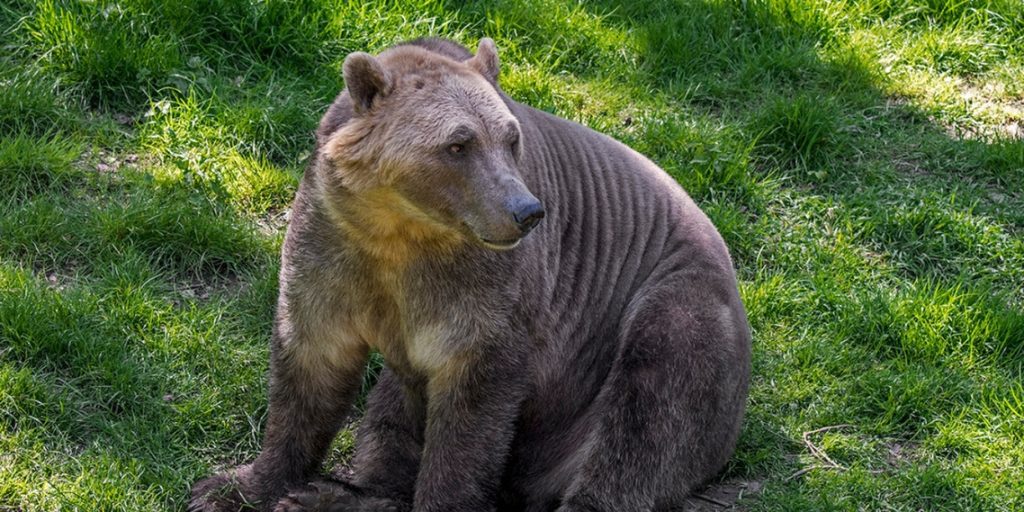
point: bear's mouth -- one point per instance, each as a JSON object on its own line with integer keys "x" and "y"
{"x": 500, "y": 245}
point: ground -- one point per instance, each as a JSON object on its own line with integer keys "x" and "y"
{"x": 863, "y": 159}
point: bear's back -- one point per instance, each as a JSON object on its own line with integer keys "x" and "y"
{"x": 615, "y": 223}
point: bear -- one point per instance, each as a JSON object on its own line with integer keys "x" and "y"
{"x": 560, "y": 323}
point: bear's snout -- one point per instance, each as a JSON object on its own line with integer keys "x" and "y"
{"x": 527, "y": 213}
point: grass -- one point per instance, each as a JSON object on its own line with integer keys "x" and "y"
{"x": 864, "y": 160}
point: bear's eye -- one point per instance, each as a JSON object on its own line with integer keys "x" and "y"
{"x": 456, "y": 149}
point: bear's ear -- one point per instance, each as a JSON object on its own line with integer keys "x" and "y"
{"x": 486, "y": 60}
{"x": 366, "y": 80}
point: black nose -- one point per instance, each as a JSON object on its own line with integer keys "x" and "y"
{"x": 527, "y": 214}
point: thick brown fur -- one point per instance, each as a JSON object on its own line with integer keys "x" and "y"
{"x": 597, "y": 363}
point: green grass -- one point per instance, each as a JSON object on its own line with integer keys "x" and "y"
{"x": 863, "y": 159}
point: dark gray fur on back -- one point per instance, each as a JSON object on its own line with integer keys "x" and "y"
{"x": 603, "y": 363}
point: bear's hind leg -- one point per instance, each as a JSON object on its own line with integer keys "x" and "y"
{"x": 668, "y": 415}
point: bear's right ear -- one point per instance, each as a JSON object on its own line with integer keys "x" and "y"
{"x": 486, "y": 60}
{"x": 366, "y": 80}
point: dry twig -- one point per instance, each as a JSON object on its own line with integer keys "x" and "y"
{"x": 818, "y": 452}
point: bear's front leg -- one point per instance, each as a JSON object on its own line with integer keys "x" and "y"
{"x": 471, "y": 411}
{"x": 315, "y": 374}
{"x": 389, "y": 443}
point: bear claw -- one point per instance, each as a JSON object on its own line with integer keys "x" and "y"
{"x": 221, "y": 492}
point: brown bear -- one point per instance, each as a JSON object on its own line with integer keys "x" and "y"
{"x": 595, "y": 360}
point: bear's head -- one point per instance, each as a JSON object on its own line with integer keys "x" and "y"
{"x": 433, "y": 146}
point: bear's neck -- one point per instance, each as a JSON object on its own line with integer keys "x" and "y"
{"x": 390, "y": 230}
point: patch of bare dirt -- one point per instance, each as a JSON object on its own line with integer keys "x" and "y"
{"x": 55, "y": 282}
{"x": 1003, "y": 114}
{"x": 108, "y": 162}
{"x": 900, "y": 452}
{"x": 273, "y": 222}
{"x": 59, "y": 277}
{"x": 200, "y": 290}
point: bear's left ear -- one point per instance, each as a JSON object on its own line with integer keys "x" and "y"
{"x": 486, "y": 60}
{"x": 365, "y": 79}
